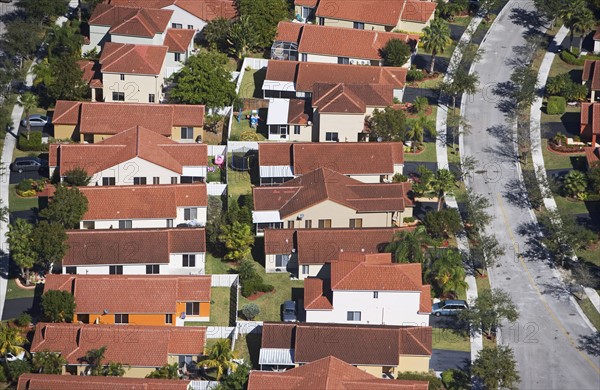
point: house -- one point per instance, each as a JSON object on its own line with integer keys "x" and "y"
{"x": 289, "y": 120}
{"x": 191, "y": 14}
{"x": 29, "y": 381}
{"x": 140, "y": 349}
{"x": 328, "y": 373}
{"x": 590, "y": 122}
{"x": 165, "y": 300}
{"x": 376, "y": 349}
{"x": 368, "y": 162}
{"x": 591, "y": 77}
{"x": 304, "y": 10}
{"x": 136, "y": 251}
{"x": 592, "y": 156}
{"x": 309, "y": 252}
{"x": 131, "y": 73}
{"x": 312, "y": 43}
{"x": 293, "y": 79}
{"x": 93, "y": 122}
{"x": 368, "y": 289}
{"x": 327, "y": 199}
{"x": 596, "y": 39}
{"x": 134, "y": 156}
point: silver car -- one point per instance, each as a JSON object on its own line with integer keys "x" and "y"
{"x": 35, "y": 120}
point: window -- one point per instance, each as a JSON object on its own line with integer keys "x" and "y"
{"x": 115, "y": 270}
{"x": 71, "y": 270}
{"x": 169, "y": 223}
{"x": 356, "y": 223}
{"x": 118, "y": 96}
{"x": 376, "y": 294}
{"x": 189, "y": 260}
{"x": 156, "y": 180}
{"x": 300, "y": 94}
{"x": 190, "y": 214}
{"x": 296, "y": 129}
{"x": 324, "y": 223}
{"x": 152, "y": 269}
{"x": 151, "y": 98}
{"x": 122, "y": 77}
{"x": 192, "y": 308}
{"x": 174, "y": 180}
{"x": 84, "y": 318}
{"x": 126, "y": 224}
{"x": 176, "y": 25}
{"x": 121, "y": 318}
{"x": 359, "y": 26}
{"x": 343, "y": 60}
{"x": 281, "y": 260}
{"x": 321, "y": 21}
{"x": 138, "y": 181}
{"x": 192, "y": 179}
{"x": 190, "y": 27}
{"x": 187, "y": 133}
{"x": 305, "y": 269}
{"x": 308, "y": 224}
{"x": 108, "y": 181}
{"x": 89, "y": 224}
{"x": 331, "y": 137}
{"x": 304, "y": 57}
{"x": 353, "y": 316}
{"x": 290, "y": 224}
{"x": 177, "y": 57}
{"x": 168, "y": 318}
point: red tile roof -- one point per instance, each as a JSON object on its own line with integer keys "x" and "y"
{"x": 328, "y": 373}
{"x": 132, "y": 59}
{"x": 29, "y": 381}
{"x": 592, "y": 155}
{"x": 379, "y": 12}
{"x": 597, "y": 34}
{"x": 113, "y": 118}
{"x": 590, "y": 117}
{"x": 338, "y": 41}
{"x": 297, "y": 114}
{"x": 127, "y": 145}
{"x": 351, "y": 98}
{"x": 206, "y": 10}
{"x": 418, "y": 11}
{"x": 131, "y": 246}
{"x": 325, "y": 184}
{"x": 141, "y": 202}
{"x": 137, "y": 346}
{"x": 278, "y": 335}
{"x": 307, "y": 3}
{"x": 141, "y": 22}
{"x": 91, "y": 73}
{"x": 591, "y": 72}
{"x": 317, "y": 294}
{"x": 131, "y": 294}
{"x": 306, "y": 74}
{"x": 178, "y": 40}
{"x": 425, "y": 304}
{"x": 318, "y": 246}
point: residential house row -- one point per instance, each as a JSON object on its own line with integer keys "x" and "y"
{"x": 29, "y": 381}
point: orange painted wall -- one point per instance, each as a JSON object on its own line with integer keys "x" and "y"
{"x": 134, "y": 319}
{"x": 180, "y": 307}
{"x": 204, "y": 309}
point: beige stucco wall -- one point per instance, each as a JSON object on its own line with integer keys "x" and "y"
{"x": 413, "y": 363}
{"x": 130, "y": 372}
{"x": 340, "y": 216}
{"x": 413, "y": 27}
{"x": 304, "y": 136}
{"x": 125, "y": 172}
{"x": 348, "y": 126}
{"x": 176, "y": 134}
{"x": 373, "y": 370}
{"x": 136, "y": 87}
{"x": 320, "y": 58}
{"x": 65, "y": 131}
{"x": 350, "y": 24}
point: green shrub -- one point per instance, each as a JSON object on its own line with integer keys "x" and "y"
{"x": 33, "y": 143}
{"x": 570, "y": 59}
{"x": 415, "y": 75}
{"x": 454, "y": 379}
{"x": 77, "y": 177}
{"x": 250, "y": 311}
{"x": 575, "y": 92}
{"x": 409, "y": 219}
{"x": 434, "y": 382}
{"x": 556, "y": 105}
{"x": 254, "y": 285}
{"x": 23, "y": 320}
{"x": 25, "y": 185}
{"x": 399, "y": 178}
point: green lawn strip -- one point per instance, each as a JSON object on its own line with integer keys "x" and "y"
{"x": 215, "y": 265}
{"x": 238, "y": 182}
{"x": 219, "y": 308}
{"x": 428, "y": 155}
{"x": 591, "y": 255}
{"x": 214, "y": 176}
{"x": 13, "y": 291}
{"x": 555, "y": 160}
{"x": 570, "y": 207}
{"x": 483, "y": 283}
{"x": 450, "y": 339}
{"x": 560, "y": 67}
{"x": 247, "y": 348}
{"x": 17, "y": 203}
{"x": 252, "y": 83}
{"x": 237, "y": 128}
{"x": 590, "y": 311}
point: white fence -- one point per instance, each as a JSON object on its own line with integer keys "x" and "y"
{"x": 235, "y": 146}
{"x": 214, "y": 150}
{"x": 202, "y": 385}
{"x": 223, "y": 280}
{"x": 245, "y": 327}
{"x": 216, "y": 189}
{"x": 219, "y": 332}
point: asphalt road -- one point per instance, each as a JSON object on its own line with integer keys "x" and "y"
{"x": 550, "y": 336}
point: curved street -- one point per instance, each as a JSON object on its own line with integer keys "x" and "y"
{"x": 550, "y": 337}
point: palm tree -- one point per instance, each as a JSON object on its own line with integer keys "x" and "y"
{"x": 168, "y": 371}
{"x": 114, "y": 369}
{"x": 46, "y": 362}
{"x": 419, "y": 127}
{"x": 11, "y": 341}
{"x": 575, "y": 183}
{"x": 570, "y": 13}
{"x": 94, "y": 358}
{"x": 435, "y": 38}
{"x": 442, "y": 182}
{"x": 584, "y": 22}
{"x": 219, "y": 357}
{"x": 239, "y": 38}
{"x": 463, "y": 82}
{"x": 409, "y": 246}
{"x": 28, "y": 101}
{"x": 446, "y": 272}
{"x": 43, "y": 73}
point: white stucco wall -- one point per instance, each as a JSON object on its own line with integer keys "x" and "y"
{"x": 185, "y": 18}
{"x": 201, "y": 215}
{"x": 348, "y": 126}
{"x": 136, "y": 167}
{"x": 97, "y": 35}
{"x": 156, "y": 40}
{"x": 175, "y": 267}
{"x": 135, "y": 87}
{"x": 136, "y": 223}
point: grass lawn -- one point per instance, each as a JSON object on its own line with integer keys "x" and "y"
{"x": 219, "y": 308}
{"x": 238, "y": 183}
{"x": 432, "y": 83}
{"x": 13, "y": 291}
{"x": 252, "y": 83}
{"x": 482, "y": 284}
{"x": 214, "y": 176}
{"x": 560, "y": 67}
{"x": 591, "y": 255}
{"x": 237, "y": 128}
{"x": 428, "y": 155}
{"x": 17, "y": 203}
{"x": 450, "y": 339}
{"x": 555, "y": 160}
{"x": 567, "y": 123}
{"x": 247, "y": 348}
{"x": 590, "y": 311}
{"x": 215, "y": 265}
{"x": 570, "y": 207}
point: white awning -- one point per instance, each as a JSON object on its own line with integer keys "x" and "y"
{"x": 276, "y": 356}
{"x": 276, "y": 171}
{"x": 283, "y": 86}
{"x": 194, "y": 171}
{"x": 266, "y": 216}
{"x": 278, "y": 112}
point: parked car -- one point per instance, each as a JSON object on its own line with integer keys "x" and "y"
{"x": 23, "y": 164}
{"x": 11, "y": 358}
{"x": 448, "y": 308}
{"x": 35, "y": 120}
{"x": 288, "y": 312}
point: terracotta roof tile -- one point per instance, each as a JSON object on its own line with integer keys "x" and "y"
{"x": 418, "y": 11}
{"x": 317, "y": 294}
{"x": 297, "y": 114}
{"x": 128, "y": 20}
{"x": 145, "y": 346}
{"x": 29, "y": 381}
{"x": 139, "y": 202}
{"x": 66, "y": 112}
{"x": 381, "y": 12}
{"x": 129, "y": 144}
{"x": 206, "y": 10}
{"x": 425, "y": 304}
{"x": 178, "y": 40}
{"x": 351, "y": 98}
{"x": 279, "y": 241}
{"x": 278, "y": 335}
{"x": 307, "y": 3}
{"x": 591, "y": 72}
{"x": 131, "y": 246}
{"x": 131, "y": 293}
{"x": 590, "y": 116}
{"x": 275, "y": 153}
{"x": 132, "y": 59}
{"x": 592, "y": 155}
{"x": 280, "y": 70}
{"x": 328, "y": 373}
{"x": 289, "y": 32}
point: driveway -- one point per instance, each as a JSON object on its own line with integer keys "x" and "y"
{"x": 443, "y": 359}
{"x": 14, "y": 307}
{"x": 547, "y": 339}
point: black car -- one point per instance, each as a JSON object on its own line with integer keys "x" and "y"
{"x": 27, "y": 164}
{"x": 288, "y": 311}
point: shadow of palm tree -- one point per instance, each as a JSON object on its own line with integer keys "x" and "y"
{"x": 532, "y": 20}
{"x": 516, "y": 194}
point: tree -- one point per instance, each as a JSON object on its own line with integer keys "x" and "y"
{"x": 204, "y": 80}
{"x": 67, "y": 207}
{"x": 246, "y": 270}
{"x": 442, "y": 182}
{"x": 485, "y": 252}
{"x": 549, "y": 8}
{"x": 562, "y": 235}
{"x": 43, "y": 73}
{"x": 238, "y": 240}
{"x": 489, "y": 309}
{"x": 420, "y": 104}
{"x": 28, "y": 101}
{"x": 264, "y": 17}
{"x": 525, "y": 81}
{"x": 21, "y": 249}
{"x": 237, "y": 380}
{"x": 593, "y": 175}
{"x": 575, "y": 184}
{"x": 64, "y": 40}
{"x": 46, "y": 362}
{"x": 575, "y": 15}
{"x": 168, "y": 371}
{"x": 423, "y": 125}
{"x": 77, "y": 177}
{"x": 250, "y": 311}
{"x": 395, "y": 52}
{"x": 446, "y": 272}
{"x": 94, "y": 358}
{"x": 67, "y": 80}
{"x": 435, "y": 38}
{"x": 21, "y": 40}
{"x": 388, "y": 124}
{"x": 443, "y": 222}
{"x": 113, "y": 369}
{"x": 11, "y": 340}
{"x": 48, "y": 240}
{"x": 462, "y": 82}
{"x": 17, "y": 368}
{"x": 216, "y": 32}
{"x": 240, "y": 38}
{"x": 409, "y": 246}
{"x": 476, "y": 216}
{"x": 497, "y": 368}
{"x": 584, "y": 23}
{"x": 219, "y": 357}
{"x": 58, "y": 306}
{"x": 40, "y": 10}
{"x": 457, "y": 125}
{"x": 423, "y": 183}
